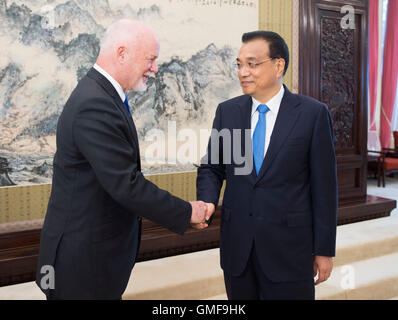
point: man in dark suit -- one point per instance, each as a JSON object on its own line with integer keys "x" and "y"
{"x": 278, "y": 225}
{"x": 91, "y": 231}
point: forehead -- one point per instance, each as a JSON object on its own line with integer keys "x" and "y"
{"x": 254, "y": 49}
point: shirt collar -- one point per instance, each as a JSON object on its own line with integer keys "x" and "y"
{"x": 273, "y": 104}
{"x": 115, "y": 84}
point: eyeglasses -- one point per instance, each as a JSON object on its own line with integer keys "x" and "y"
{"x": 252, "y": 65}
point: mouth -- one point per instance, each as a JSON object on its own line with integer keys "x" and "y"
{"x": 146, "y": 76}
{"x": 245, "y": 83}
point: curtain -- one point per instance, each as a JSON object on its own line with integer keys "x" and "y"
{"x": 394, "y": 121}
{"x": 390, "y": 73}
{"x": 373, "y": 60}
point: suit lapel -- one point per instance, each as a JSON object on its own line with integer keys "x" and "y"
{"x": 108, "y": 87}
{"x": 132, "y": 127}
{"x": 285, "y": 120}
{"x": 246, "y": 112}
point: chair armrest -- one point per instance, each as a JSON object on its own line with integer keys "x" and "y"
{"x": 392, "y": 153}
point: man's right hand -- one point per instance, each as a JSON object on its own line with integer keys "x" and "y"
{"x": 201, "y": 214}
{"x": 198, "y": 211}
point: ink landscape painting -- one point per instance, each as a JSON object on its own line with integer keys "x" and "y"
{"x": 48, "y": 46}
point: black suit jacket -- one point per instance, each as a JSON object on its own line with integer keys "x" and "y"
{"x": 91, "y": 230}
{"x": 290, "y": 209}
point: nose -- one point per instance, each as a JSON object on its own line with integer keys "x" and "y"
{"x": 244, "y": 71}
{"x": 154, "y": 67}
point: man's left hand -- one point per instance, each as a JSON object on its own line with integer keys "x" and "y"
{"x": 323, "y": 268}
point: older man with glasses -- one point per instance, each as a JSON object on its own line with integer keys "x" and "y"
{"x": 278, "y": 226}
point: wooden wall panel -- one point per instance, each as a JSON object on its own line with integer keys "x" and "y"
{"x": 333, "y": 69}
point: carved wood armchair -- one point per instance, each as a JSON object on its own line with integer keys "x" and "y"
{"x": 382, "y": 161}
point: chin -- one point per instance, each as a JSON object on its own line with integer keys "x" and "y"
{"x": 247, "y": 91}
{"x": 140, "y": 86}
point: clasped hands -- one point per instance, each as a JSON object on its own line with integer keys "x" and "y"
{"x": 201, "y": 212}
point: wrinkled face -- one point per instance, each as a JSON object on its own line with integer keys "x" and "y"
{"x": 256, "y": 79}
{"x": 139, "y": 63}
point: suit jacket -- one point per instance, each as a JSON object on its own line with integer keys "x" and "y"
{"x": 91, "y": 230}
{"x": 290, "y": 209}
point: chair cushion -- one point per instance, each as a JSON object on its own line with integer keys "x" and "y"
{"x": 391, "y": 164}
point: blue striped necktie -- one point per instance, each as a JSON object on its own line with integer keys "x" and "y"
{"x": 259, "y": 137}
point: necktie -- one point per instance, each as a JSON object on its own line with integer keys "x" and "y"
{"x": 259, "y": 137}
{"x": 126, "y": 103}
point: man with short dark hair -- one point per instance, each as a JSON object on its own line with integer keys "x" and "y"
{"x": 278, "y": 227}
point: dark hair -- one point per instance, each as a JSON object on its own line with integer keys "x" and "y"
{"x": 277, "y": 46}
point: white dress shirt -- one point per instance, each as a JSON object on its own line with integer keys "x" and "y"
{"x": 115, "y": 84}
{"x": 270, "y": 117}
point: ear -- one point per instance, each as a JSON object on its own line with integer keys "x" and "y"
{"x": 121, "y": 54}
{"x": 280, "y": 67}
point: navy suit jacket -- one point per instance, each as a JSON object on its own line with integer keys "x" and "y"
{"x": 91, "y": 230}
{"x": 290, "y": 209}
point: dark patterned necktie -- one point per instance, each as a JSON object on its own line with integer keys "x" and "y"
{"x": 126, "y": 103}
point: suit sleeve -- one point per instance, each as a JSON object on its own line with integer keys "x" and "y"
{"x": 99, "y": 136}
{"x": 211, "y": 172}
{"x": 324, "y": 185}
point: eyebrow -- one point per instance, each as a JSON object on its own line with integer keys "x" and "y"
{"x": 249, "y": 58}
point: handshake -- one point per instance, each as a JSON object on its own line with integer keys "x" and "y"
{"x": 201, "y": 213}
